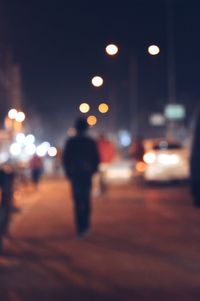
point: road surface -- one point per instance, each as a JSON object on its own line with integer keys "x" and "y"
{"x": 144, "y": 245}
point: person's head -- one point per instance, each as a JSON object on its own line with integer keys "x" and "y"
{"x": 81, "y": 125}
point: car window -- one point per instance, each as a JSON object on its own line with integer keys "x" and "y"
{"x": 164, "y": 145}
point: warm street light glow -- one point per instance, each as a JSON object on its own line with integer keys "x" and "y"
{"x": 12, "y": 114}
{"x": 84, "y": 107}
{"x": 103, "y": 108}
{"x": 91, "y": 120}
{"x": 20, "y": 117}
{"x": 112, "y": 49}
{"x": 97, "y": 81}
{"x": 153, "y": 50}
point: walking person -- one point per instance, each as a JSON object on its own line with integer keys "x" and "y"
{"x": 195, "y": 164}
{"x": 107, "y": 153}
{"x": 6, "y": 202}
{"x": 36, "y": 166}
{"x": 80, "y": 162}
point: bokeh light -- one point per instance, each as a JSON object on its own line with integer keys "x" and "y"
{"x": 91, "y": 120}
{"x": 52, "y": 151}
{"x": 84, "y": 107}
{"x": 15, "y": 149}
{"x": 112, "y": 49}
{"x": 97, "y": 81}
{"x": 153, "y": 50}
{"x": 12, "y": 114}
{"x": 20, "y": 117}
{"x": 103, "y": 108}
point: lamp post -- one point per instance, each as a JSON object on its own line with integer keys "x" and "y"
{"x": 112, "y": 50}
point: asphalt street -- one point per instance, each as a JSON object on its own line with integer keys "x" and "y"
{"x": 144, "y": 245}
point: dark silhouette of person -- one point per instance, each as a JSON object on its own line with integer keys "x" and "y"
{"x": 7, "y": 176}
{"x": 137, "y": 149}
{"x": 195, "y": 164}
{"x": 80, "y": 161}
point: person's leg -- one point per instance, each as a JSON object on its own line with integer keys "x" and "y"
{"x": 81, "y": 193}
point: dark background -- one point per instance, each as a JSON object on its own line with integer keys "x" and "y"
{"x": 60, "y": 46}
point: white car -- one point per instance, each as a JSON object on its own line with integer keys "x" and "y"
{"x": 165, "y": 161}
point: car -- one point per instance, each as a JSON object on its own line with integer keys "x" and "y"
{"x": 164, "y": 160}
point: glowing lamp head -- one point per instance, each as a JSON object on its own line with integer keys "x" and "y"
{"x": 84, "y": 107}
{"x": 112, "y": 49}
{"x": 103, "y": 108}
{"x": 153, "y": 50}
{"x": 97, "y": 81}
{"x": 91, "y": 120}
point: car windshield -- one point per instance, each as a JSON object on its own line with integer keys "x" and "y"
{"x": 167, "y": 145}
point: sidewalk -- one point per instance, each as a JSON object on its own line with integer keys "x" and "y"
{"x": 138, "y": 249}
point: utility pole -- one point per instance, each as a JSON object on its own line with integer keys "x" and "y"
{"x": 134, "y": 112}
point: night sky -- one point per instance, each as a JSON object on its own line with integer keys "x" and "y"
{"x": 60, "y": 45}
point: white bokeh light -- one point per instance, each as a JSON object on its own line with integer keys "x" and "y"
{"x": 15, "y": 149}
{"x": 52, "y": 151}
{"x": 20, "y": 138}
{"x": 30, "y": 139}
{"x": 20, "y": 117}
{"x": 112, "y": 49}
{"x": 97, "y": 81}
{"x": 153, "y": 50}
{"x": 12, "y": 114}
{"x": 30, "y": 149}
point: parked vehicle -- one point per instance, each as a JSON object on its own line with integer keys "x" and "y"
{"x": 164, "y": 160}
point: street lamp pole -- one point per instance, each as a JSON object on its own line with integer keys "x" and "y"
{"x": 134, "y": 97}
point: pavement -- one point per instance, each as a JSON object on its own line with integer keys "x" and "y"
{"x": 144, "y": 245}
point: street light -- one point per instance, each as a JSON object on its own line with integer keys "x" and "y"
{"x": 97, "y": 81}
{"x": 91, "y": 120}
{"x": 103, "y": 108}
{"x": 84, "y": 107}
{"x": 133, "y": 63}
{"x": 112, "y": 49}
{"x": 153, "y": 50}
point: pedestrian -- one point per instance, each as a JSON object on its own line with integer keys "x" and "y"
{"x": 195, "y": 163}
{"x": 7, "y": 176}
{"x": 80, "y": 161}
{"x": 36, "y": 166}
{"x": 107, "y": 152}
{"x": 136, "y": 150}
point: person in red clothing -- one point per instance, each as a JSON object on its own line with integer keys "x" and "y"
{"x": 107, "y": 153}
{"x": 36, "y": 166}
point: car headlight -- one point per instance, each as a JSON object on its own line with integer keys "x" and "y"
{"x": 149, "y": 158}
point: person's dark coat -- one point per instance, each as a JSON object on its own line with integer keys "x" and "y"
{"x": 80, "y": 156}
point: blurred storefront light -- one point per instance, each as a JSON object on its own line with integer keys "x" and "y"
{"x": 12, "y": 114}
{"x": 15, "y": 149}
{"x": 124, "y": 138}
{"x": 52, "y": 151}
{"x": 20, "y": 138}
{"x": 30, "y": 149}
{"x": 20, "y": 117}
{"x": 30, "y": 139}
